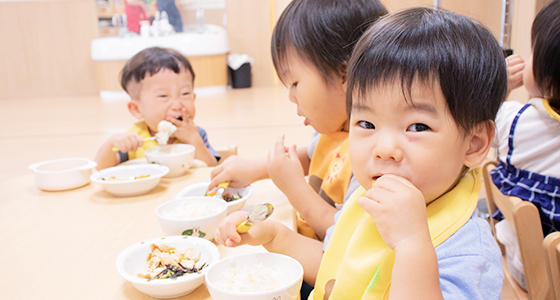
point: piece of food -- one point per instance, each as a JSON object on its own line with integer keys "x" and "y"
{"x": 165, "y": 130}
{"x": 166, "y": 262}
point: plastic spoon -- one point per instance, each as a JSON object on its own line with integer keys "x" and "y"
{"x": 259, "y": 213}
{"x": 221, "y": 188}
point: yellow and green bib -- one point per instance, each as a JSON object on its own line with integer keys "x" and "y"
{"x": 358, "y": 265}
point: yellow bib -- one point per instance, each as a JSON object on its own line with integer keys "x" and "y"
{"x": 142, "y": 129}
{"x": 329, "y": 173}
{"x": 358, "y": 265}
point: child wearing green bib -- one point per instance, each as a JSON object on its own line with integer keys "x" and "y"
{"x": 424, "y": 87}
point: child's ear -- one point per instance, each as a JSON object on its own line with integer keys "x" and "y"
{"x": 480, "y": 141}
{"x": 194, "y": 96}
{"x": 134, "y": 109}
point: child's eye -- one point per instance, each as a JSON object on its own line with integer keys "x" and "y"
{"x": 162, "y": 96}
{"x": 294, "y": 84}
{"x": 185, "y": 94}
{"x": 366, "y": 125}
{"x": 417, "y": 127}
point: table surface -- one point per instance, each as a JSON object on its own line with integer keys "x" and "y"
{"x": 64, "y": 245}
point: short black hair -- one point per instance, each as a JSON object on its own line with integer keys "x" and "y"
{"x": 545, "y": 41}
{"x": 153, "y": 60}
{"x": 322, "y": 32}
{"x": 432, "y": 47}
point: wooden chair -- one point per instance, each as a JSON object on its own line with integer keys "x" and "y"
{"x": 523, "y": 216}
{"x": 551, "y": 246}
{"x": 226, "y": 152}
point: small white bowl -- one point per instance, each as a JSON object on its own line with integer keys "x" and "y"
{"x": 130, "y": 187}
{"x": 278, "y": 262}
{"x": 203, "y": 227}
{"x": 63, "y": 174}
{"x": 132, "y": 260}
{"x": 178, "y": 157}
{"x": 199, "y": 189}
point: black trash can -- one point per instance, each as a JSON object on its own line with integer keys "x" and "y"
{"x": 240, "y": 78}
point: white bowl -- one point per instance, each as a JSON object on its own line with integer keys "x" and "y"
{"x": 203, "y": 227}
{"x": 199, "y": 189}
{"x": 278, "y": 262}
{"x": 62, "y": 174}
{"x": 130, "y": 187}
{"x": 132, "y": 260}
{"x": 177, "y": 162}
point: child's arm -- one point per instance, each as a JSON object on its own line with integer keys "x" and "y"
{"x": 287, "y": 172}
{"x": 276, "y": 238}
{"x": 241, "y": 172}
{"x": 126, "y": 142}
{"x": 399, "y": 211}
{"x": 515, "y": 68}
{"x": 187, "y": 132}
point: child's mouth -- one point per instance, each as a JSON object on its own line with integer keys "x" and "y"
{"x": 180, "y": 118}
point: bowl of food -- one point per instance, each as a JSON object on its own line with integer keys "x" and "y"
{"x": 130, "y": 180}
{"x": 235, "y": 197}
{"x": 192, "y": 216}
{"x": 255, "y": 276}
{"x": 167, "y": 267}
{"x": 178, "y": 157}
{"x": 63, "y": 174}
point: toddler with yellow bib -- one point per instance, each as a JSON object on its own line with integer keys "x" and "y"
{"x": 424, "y": 87}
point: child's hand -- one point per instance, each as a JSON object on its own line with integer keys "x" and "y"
{"x": 399, "y": 211}
{"x": 284, "y": 166}
{"x": 186, "y": 130}
{"x": 227, "y": 235}
{"x": 515, "y": 67}
{"x": 239, "y": 171}
{"x": 127, "y": 142}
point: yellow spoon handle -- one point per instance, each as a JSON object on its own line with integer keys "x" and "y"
{"x": 244, "y": 227}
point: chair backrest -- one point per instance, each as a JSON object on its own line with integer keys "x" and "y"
{"x": 551, "y": 246}
{"x": 524, "y": 218}
{"x": 226, "y": 152}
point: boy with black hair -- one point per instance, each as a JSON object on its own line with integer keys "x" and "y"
{"x": 160, "y": 83}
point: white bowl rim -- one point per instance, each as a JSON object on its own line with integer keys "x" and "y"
{"x": 300, "y": 268}
{"x": 224, "y": 208}
{"x": 190, "y": 149}
{"x": 214, "y": 252}
{"x": 248, "y": 188}
{"x": 90, "y": 164}
{"x": 96, "y": 177}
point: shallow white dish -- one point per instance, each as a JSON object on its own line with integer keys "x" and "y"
{"x": 199, "y": 189}
{"x": 130, "y": 187}
{"x": 63, "y": 174}
{"x": 178, "y": 162}
{"x": 203, "y": 227}
{"x": 132, "y": 260}
{"x": 278, "y": 262}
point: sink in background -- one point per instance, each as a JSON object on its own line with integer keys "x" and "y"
{"x": 190, "y": 43}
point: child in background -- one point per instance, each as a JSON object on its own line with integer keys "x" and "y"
{"x": 136, "y": 11}
{"x": 311, "y": 45}
{"x": 160, "y": 84}
{"x": 528, "y": 135}
{"x": 424, "y": 87}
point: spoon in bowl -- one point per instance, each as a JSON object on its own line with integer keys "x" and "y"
{"x": 258, "y": 213}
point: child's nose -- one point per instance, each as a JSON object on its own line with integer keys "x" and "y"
{"x": 387, "y": 148}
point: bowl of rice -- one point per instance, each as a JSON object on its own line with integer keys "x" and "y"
{"x": 178, "y": 157}
{"x": 192, "y": 216}
{"x": 133, "y": 262}
{"x": 235, "y": 201}
{"x": 255, "y": 276}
